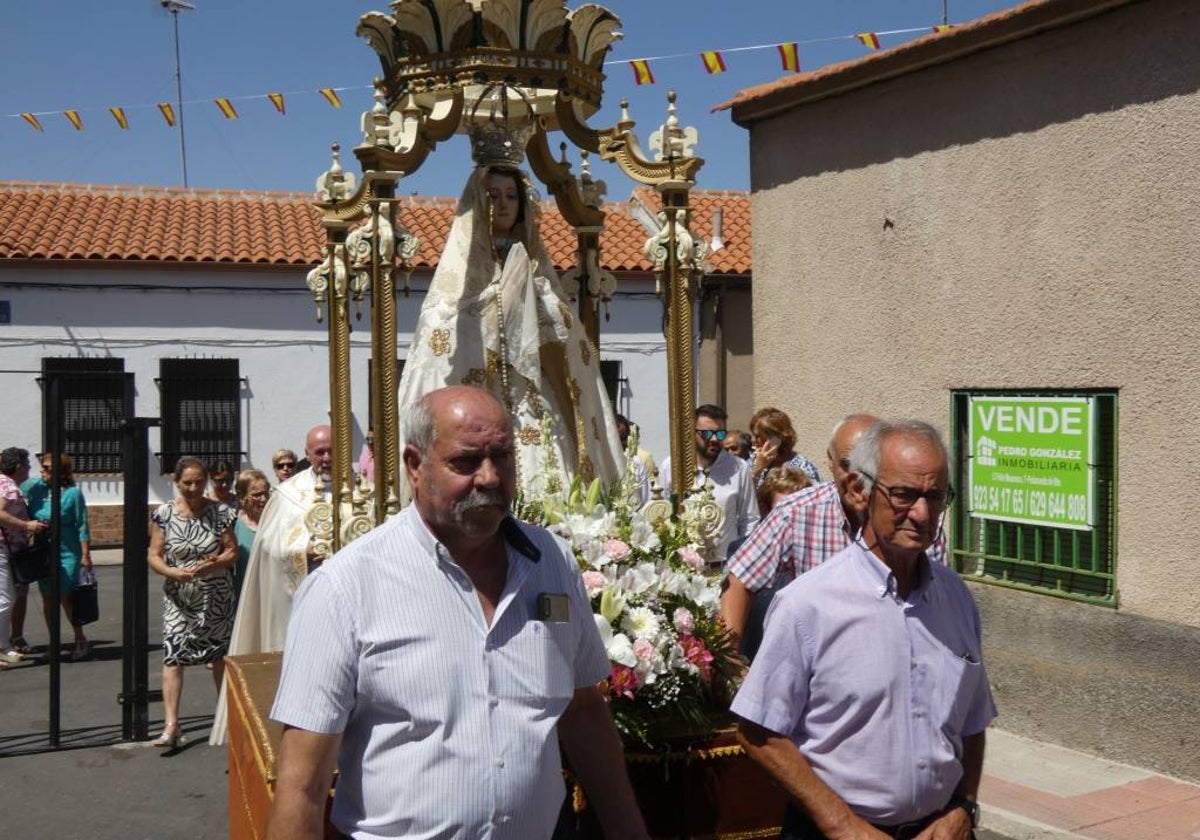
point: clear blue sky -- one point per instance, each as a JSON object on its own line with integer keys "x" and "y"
{"x": 88, "y": 56}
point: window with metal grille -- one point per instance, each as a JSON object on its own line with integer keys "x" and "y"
{"x": 95, "y": 398}
{"x": 1064, "y": 562}
{"x": 201, "y": 410}
{"x": 610, "y": 372}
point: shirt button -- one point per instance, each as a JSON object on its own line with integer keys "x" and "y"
{"x": 500, "y": 762}
{"x": 917, "y": 713}
{"x": 493, "y": 702}
{"x": 922, "y": 764}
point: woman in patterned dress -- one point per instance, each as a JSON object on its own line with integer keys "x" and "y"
{"x": 192, "y": 546}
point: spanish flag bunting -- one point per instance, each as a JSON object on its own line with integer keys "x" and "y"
{"x": 168, "y": 113}
{"x": 277, "y": 101}
{"x": 713, "y": 62}
{"x": 641, "y": 72}
{"x": 331, "y": 97}
{"x": 789, "y": 54}
{"x": 74, "y": 118}
{"x": 942, "y": 27}
{"x": 868, "y": 39}
{"x": 226, "y": 107}
{"x": 119, "y": 115}
{"x": 33, "y": 121}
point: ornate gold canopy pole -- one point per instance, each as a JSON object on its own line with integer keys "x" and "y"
{"x": 677, "y": 256}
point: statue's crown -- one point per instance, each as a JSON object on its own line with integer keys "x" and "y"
{"x": 495, "y": 143}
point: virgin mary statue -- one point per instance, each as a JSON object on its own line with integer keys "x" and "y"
{"x": 496, "y": 317}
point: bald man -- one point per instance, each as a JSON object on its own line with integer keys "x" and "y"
{"x": 281, "y": 557}
{"x": 438, "y": 661}
{"x": 799, "y": 534}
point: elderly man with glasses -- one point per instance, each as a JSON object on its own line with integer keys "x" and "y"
{"x": 728, "y": 475}
{"x": 868, "y": 700}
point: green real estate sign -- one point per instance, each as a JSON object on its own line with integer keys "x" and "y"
{"x": 1031, "y": 460}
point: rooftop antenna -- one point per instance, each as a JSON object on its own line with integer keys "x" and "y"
{"x": 175, "y": 7}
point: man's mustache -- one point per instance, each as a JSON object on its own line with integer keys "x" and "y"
{"x": 478, "y": 498}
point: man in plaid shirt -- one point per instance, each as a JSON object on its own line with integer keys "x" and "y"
{"x": 800, "y": 533}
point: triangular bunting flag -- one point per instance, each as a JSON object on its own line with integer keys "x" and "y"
{"x": 74, "y": 118}
{"x": 713, "y": 62}
{"x": 942, "y": 27}
{"x": 641, "y": 72}
{"x": 168, "y": 112}
{"x": 119, "y": 115}
{"x": 226, "y": 107}
{"x": 868, "y": 39}
{"x": 331, "y": 97}
{"x": 32, "y": 120}
{"x": 277, "y": 101}
{"x": 789, "y": 55}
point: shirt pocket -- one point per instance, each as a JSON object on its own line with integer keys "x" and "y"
{"x": 546, "y": 660}
{"x": 958, "y": 685}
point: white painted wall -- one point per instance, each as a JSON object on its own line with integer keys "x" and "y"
{"x": 265, "y": 319}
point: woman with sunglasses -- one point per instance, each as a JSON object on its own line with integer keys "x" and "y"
{"x": 284, "y": 464}
{"x": 220, "y": 479}
{"x": 254, "y": 490}
{"x": 74, "y": 540}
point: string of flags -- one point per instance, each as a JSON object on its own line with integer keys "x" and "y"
{"x": 789, "y": 52}
{"x": 167, "y": 110}
{"x": 713, "y": 62}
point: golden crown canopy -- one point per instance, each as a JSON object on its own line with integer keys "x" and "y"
{"x": 435, "y": 50}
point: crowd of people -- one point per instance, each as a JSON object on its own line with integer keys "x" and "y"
{"x": 472, "y": 654}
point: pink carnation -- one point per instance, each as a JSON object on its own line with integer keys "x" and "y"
{"x": 685, "y": 623}
{"x": 695, "y": 652}
{"x": 618, "y": 550}
{"x": 594, "y": 582}
{"x": 622, "y": 681}
{"x": 691, "y": 556}
{"x": 643, "y": 649}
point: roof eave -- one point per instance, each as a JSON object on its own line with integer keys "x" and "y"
{"x": 749, "y": 107}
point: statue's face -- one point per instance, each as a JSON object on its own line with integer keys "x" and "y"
{"x": 505, "y": 196}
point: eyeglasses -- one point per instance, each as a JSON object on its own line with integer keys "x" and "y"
{"x": 286, "y": 465}
{"x": 712, "y": 434}
{"x": 903, "y": 498}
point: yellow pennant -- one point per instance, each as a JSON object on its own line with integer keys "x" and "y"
{"x": 331, "y": 97}
{"x": 74, "y": 118}
{"x": 32, "y": 120}
{"x": 868, "y": 39}
{"x": 119, "y": 115}
{"x": 277, "y": 101}
{"x": 641, "y": 72}
{"x": 226, "y": 108}
{"x": 167, "y": 112}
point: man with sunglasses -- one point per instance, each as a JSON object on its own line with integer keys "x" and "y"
{"x": 868, "y": 699}
{"x": 729, "y": 476}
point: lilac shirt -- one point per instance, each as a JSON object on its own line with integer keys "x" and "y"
{"x": 876, "y": 691}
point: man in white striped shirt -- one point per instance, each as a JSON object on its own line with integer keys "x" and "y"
{"x": 434, "y": 660}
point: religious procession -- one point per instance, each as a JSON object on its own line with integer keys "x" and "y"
{"x": 535, "y": 514}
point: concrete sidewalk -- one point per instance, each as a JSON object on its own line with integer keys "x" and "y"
{"x": 1036, "y": 791}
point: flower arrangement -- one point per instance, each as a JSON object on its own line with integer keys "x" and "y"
{"x": 645, "y": 568}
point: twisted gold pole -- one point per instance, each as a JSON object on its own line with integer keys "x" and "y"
{"x": 339, "y": 390}
{"x": 385, "y": 415}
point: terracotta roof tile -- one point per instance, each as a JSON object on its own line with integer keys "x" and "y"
{"x": 161, "y": 224}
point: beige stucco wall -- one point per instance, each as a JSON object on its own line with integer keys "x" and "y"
{"x": 1025, "y": 217}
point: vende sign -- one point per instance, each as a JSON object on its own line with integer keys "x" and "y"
{"x": 1030, "y": 460}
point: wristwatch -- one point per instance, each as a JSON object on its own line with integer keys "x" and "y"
{"x": 968, "y": 805}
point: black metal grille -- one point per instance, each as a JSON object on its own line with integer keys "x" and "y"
{"x": 610, "y": 372}
{"x": 95, "y": 397}
{"x": 201, "y": 410}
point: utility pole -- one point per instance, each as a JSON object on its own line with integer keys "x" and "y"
{"x": 945, "y": 12}
{"x": 175, "y": 7}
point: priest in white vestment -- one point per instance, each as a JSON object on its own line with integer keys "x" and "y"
{"x": 280, "y": 559}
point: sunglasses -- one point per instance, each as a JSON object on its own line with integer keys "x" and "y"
{"x": 712, "y": 434}
{"x": 286, "y": 465}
